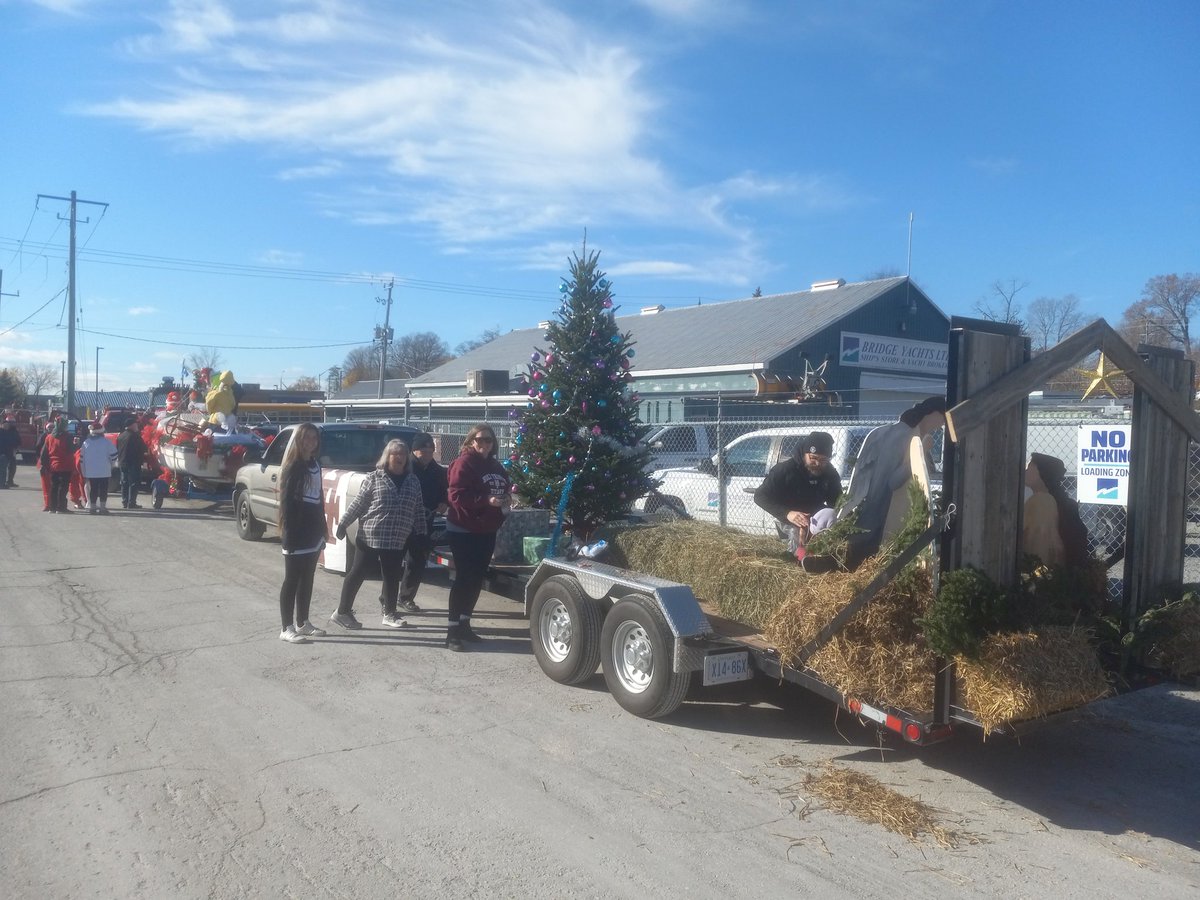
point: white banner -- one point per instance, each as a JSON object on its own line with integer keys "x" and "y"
{"x": 1103, "y": 464}
{"x": 874, "y": 351}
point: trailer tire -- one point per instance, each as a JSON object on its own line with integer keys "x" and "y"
{"x": 564, "y": 628}
{"x": 248, "y": 527}
{"x": 636, "y": 651}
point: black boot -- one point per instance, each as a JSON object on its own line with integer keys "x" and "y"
{"x": 453, "y": 641}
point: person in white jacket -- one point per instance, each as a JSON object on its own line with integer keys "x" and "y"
{"x": 97, "y": 457}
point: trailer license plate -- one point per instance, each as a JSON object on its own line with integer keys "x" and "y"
{"x": 722, "y": 668}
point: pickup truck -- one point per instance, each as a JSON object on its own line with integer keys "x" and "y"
{"x": 695, "y": 492}
{"x": 349, "y": 450}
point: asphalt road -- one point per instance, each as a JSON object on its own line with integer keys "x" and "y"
{"x": 160, "y": 741}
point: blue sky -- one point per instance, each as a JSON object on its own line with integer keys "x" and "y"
{"x": 270, "y": 165}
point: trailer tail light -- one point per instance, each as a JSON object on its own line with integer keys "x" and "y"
{"x": 912, "y": 732}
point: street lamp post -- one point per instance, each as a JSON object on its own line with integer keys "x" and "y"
{"x": 98, "y": 349}
{"x": 62, "y": 381}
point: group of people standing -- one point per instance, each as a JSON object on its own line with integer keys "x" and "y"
{"x": 79, "y": 470}
{"x": 395, "y": 509}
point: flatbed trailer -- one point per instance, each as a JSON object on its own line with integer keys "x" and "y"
{"x": 650, "y": 635}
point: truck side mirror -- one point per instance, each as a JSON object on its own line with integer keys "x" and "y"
{"x": 707, "y": 466}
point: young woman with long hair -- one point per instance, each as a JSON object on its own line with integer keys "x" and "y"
{"x": 478, "y": 498}
{"x": 301, "y": 529}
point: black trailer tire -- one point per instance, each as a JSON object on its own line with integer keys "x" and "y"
{"x": 564, "y": 628}
{"x": 637, "y": 652}
{"x": 248, "y": 527}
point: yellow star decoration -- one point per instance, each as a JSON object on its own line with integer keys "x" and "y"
{"x": 1100, "y": 378}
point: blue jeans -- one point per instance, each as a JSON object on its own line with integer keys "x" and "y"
{"x": 129, "y": 485}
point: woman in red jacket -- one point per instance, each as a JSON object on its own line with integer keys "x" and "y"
{"x": 478, "y": 498}
{"x": 58, "y": 458}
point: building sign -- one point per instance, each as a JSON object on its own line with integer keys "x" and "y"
{"x": 873, "y": 351}
{"x": 1103, "y": 464}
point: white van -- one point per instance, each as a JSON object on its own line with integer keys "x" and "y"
{"x": 695, "y": 492}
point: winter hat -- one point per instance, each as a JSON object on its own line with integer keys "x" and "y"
{"x": 819, "y": 442}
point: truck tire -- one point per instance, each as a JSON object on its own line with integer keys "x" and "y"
{"x": 636, "y": 651}
{"x": 248, "y": 527}
{"x": 564, "y": 628}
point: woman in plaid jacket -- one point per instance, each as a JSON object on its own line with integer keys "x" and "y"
{"x": 389, "y": 508}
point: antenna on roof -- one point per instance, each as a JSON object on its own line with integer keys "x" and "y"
{"x": 908, "y": 272}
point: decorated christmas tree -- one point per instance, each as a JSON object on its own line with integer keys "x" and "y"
{"x": 577, "y": 448}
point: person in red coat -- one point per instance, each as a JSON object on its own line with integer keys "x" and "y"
{"x": 478, "y": 501}
{"x": 58, "y": 459}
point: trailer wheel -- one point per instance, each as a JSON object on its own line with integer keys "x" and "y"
{"x": 636, "y": 645}
{"x": 248, "y": 527}
{"x": 564, "y": 628}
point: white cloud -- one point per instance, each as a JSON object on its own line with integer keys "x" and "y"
{"x": 484, "y": 130}
{"x": 287, "y": 258}
{"x": 142, "y": 310}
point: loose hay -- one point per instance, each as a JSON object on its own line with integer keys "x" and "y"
{"x": 1030, "y": 675}
{"x": 746, "y": 576}
{"x": 880, "y": 655}
{"x": 855, "y": 794}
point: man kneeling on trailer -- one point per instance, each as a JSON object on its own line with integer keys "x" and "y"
{"x": 801, "y": 492}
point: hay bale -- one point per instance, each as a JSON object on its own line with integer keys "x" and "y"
{"x": 744, "y": 575}
{"x": 880, "y": 655}
{"x": 1029, "y": 675}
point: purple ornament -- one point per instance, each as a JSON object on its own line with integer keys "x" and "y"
{"x": 596, "y": 430}
{"x": 607, "y": 303}
{"x": 599, "y": 364}
{"x": 571, "y": 460}
{"x": 535, "y": 356}
{"x": 545, "y": 403}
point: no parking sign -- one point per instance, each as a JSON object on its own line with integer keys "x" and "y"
{"x": 1103, "y": 464}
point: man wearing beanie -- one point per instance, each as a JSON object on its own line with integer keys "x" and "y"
{"x": 801, "y": 492}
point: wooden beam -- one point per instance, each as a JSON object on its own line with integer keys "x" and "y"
{"x": 1016, "y": 386}
{"x": 1173, "y": 404}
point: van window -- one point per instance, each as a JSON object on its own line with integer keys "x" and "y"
{"x": 679, "y": 440}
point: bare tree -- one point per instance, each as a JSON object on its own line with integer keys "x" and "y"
{"x": 757, "y": 292}
{"x": 415, "y": 354}
{"x": 204, "y": 358}
{"x": 1164, "y": 313}
{"x": 304, "y": 383}
{"x": 36, "y": 376}
{"x": 360, "y": 363}
{"x": 1053, "y": 318}
{"x": 1001, "y": 305}
{"x": 884, "y": 272}
{"x": 485, "y": 337}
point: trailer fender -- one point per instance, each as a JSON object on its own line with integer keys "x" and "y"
{"x": 600, "y": 581}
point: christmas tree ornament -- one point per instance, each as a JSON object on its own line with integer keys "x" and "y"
{"x": 630, "y": 353}
{"x": 535, "y": 356}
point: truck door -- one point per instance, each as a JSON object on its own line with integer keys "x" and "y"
{"x": 264, "y": 487}
{"x": 746, "y": 464}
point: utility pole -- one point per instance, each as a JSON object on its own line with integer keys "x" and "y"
{"x": 384, "y": 335}
{"x": 2, "y": 294}
{"x": 69, "y": 391}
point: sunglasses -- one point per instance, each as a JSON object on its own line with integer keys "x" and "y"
{"x": 483, "y": 439}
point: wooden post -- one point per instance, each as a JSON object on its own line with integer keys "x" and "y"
{"x": 988, "y": 460}
{"x": 1157, "y": 504}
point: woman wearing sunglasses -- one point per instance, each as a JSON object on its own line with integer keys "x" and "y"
{"x": 478, "y": 499}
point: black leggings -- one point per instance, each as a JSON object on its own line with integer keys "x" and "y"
{"x": 472, "y": 555}
{"x": 98, "y": 490}
{"x": 59, "y": 482}
{"x": 296, "y": 593}
{"x": 389, "y": 563}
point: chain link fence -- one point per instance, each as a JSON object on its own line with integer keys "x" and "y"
{"x": 685, "y": 455}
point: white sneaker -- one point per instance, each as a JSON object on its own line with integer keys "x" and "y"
{"x": 308, "y": 629}
{"x": 346, "y": 620}
{"x": 292, "y": 636}
{"x": 391, "y": 620}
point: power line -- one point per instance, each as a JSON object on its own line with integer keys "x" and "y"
{"x": 126, "y": 337}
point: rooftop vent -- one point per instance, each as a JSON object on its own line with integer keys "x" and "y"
{"x": 652, "y": 310}
{"x": 544, "y": 324}
{"x": 832, "y": 285}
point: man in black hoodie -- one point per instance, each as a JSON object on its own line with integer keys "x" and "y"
{"x": 799, "y": 488}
